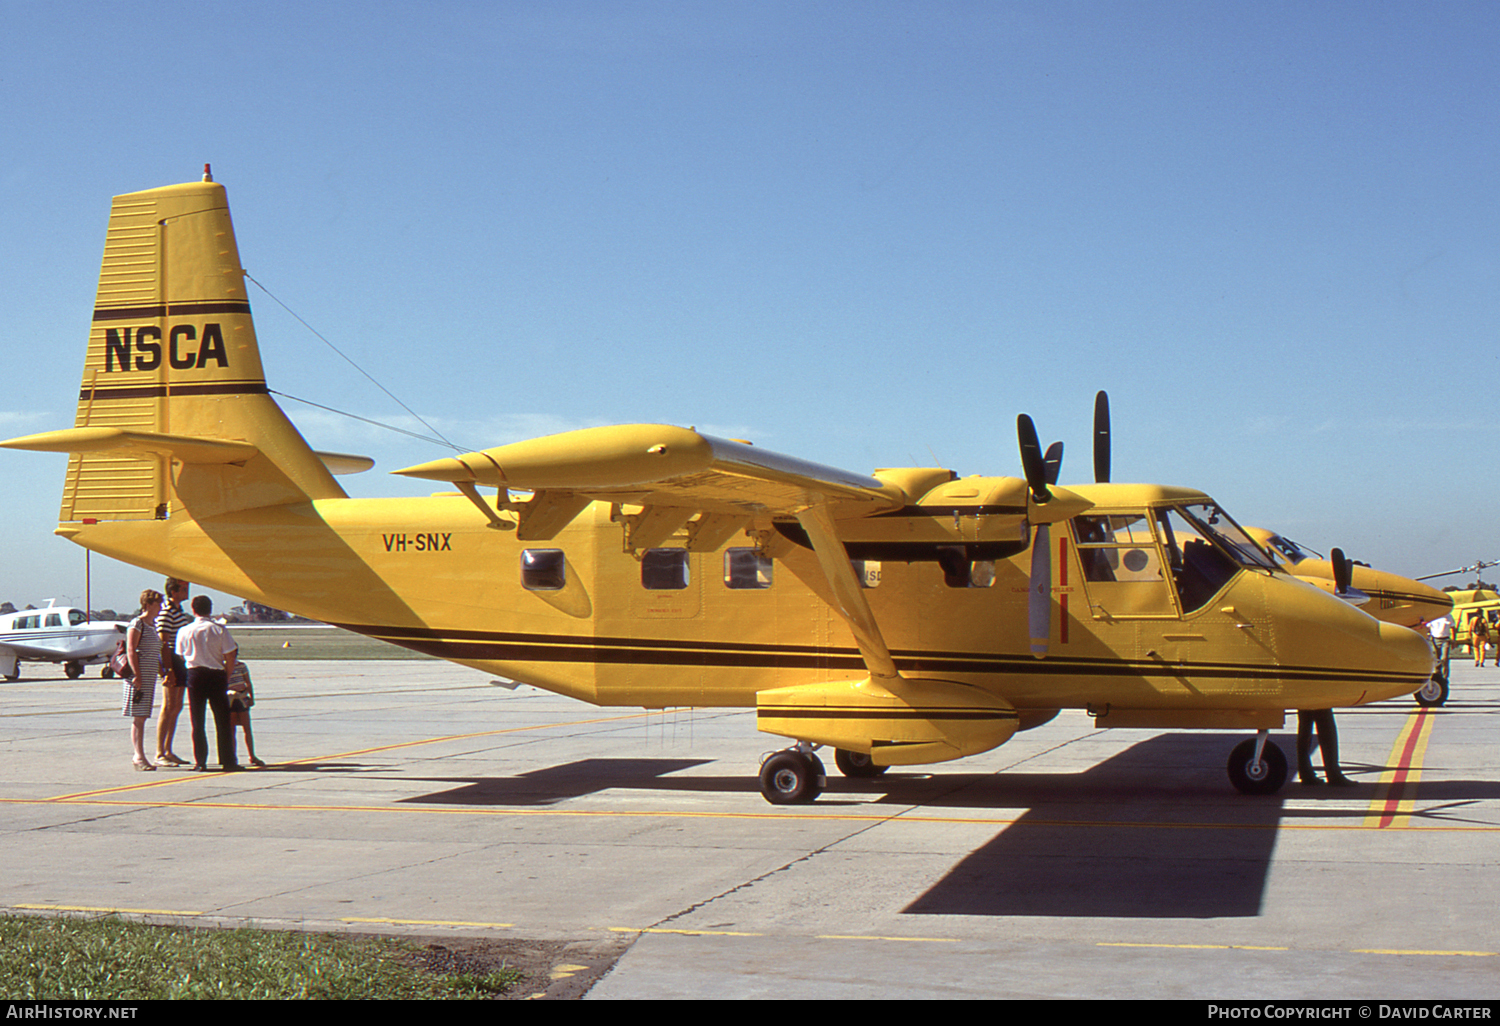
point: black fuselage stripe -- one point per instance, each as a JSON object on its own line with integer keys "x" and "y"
{"x": 159, "y": 391}
{"x": 550, "y": 648}
{"x": 857, "y": 713}
{"x": 136, "y": 313}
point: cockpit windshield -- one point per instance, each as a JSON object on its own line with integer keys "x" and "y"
{"x": 1214, "y": 523}
{"x": 1290, "y": 550}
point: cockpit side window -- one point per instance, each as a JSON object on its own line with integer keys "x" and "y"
{"x": 1122, "y": 566}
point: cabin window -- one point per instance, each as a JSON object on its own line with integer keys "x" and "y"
{"x": 544, "y": 570}
{"x": 664, "y": 569}
{"x": 27, "y": 623}
{"x": 54, "y": 619}
{"x": 1122, "y": 565}
{"x": 75, "y": 617}
{"x": 746, "y": 569}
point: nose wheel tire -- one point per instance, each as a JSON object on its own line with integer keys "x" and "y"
{"x": 1433, "y": 693}
{"x": 791, "y": 778}
{"x": 1257, "y": 777}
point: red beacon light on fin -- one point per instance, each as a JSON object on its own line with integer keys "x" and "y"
{"x": 208, "y": 175}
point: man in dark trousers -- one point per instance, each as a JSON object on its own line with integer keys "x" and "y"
{"x": 1328, "y": 741}
{"x": 209, "y": 653}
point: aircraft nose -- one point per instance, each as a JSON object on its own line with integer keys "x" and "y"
{"x": 1408, "y": 651}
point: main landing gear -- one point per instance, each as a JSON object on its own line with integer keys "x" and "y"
{"x": 1257, "y": 765}
{"x": 795, "y": 776}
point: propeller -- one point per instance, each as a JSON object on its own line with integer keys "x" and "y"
{"x": 1040, "y": 472}
{"x": 1101, "y": 438}
{"x": 1052, "y": 461}
{"x": 1343, "y": 572}
{"x": 1033, "y": 463}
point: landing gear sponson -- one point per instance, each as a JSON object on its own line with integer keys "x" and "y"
{"x": 796, "y": 776}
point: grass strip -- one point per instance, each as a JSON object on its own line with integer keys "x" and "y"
{"x": 109, "y": 959}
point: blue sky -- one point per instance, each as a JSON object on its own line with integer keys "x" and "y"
{"x": 866, "y": 234}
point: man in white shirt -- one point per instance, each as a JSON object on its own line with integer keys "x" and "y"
{"x": 209, "y": 653}
{"x": 1441, "y": 631}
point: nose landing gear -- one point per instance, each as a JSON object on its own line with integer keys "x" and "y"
{"x": 1257, "y": 766}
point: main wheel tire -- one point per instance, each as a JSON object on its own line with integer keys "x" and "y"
{"x": 1433, "y": 693}
{"x": 856, "y": 764}
{"x": 107, "y": 672}
{"x": 1265, "y": 777}
{"x": 790, "y": 778}
{"x": 74, "y": 670}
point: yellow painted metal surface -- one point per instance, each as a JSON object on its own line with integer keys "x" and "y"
{"x": 621, "y": 578}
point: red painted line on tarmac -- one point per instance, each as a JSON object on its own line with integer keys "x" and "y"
{"x": 1404, "y": 771}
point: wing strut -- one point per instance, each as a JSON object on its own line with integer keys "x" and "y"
{"x": 849, "y": 597}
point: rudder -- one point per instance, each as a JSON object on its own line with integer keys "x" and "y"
{"x": 174, "y": 414}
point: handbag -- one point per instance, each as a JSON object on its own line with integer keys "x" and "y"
{"x": 120, "y": 662}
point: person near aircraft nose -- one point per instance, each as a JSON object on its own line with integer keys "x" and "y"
{"x": 174, "y": 677}
{"x": 1441, "y": 631}
{"x": 140, "y": 689}
{"x": 1479, "y": 637}
{"x": 1328, "y": 741}
{"x": 209, "y": 652}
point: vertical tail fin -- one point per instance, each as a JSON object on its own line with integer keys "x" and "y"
{"x": 174, "y": 415}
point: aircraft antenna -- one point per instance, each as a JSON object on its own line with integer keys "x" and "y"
{"x": 357, "y": 367}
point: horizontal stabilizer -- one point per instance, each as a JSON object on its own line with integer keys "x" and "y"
{"x": 344, "y": 463}
{"x": 109, "y": 439}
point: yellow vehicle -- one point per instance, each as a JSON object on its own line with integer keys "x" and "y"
{"x": 1483, "y": 602}
{"x": 1391, "y": 597}
{"x": 904, "y": 617}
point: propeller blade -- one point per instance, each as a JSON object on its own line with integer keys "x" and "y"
{"x": 1039, "y": 599}
{"x": 1101, "y": 438}
{"x": 1032, "y": 461}
{"x": 1343, "y": 572}
{"x": 1052, "y": 460}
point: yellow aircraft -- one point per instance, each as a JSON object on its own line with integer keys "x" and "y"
{"x": 1384, "y": 595}
{"x": 905, "y": 617}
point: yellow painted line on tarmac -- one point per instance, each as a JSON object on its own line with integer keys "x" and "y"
{"x": 1398, "y": 951}
{"x": 173, "y": 776}
{"x": 686, "y": 933}
{"x": 428, "y": 922}
{"x": 878, "y": 937}
{"x": 1188, "y": 947}
{"x": 95, "y": 908}
{"x": 810, "y": 814}
{"x": 1396, "y": 797}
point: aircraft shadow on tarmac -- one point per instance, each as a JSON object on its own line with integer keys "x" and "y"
{"x": 1154, "y": 830}
{"x": 553, "y": 784}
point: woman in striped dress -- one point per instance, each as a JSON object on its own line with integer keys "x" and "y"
{"x": 143, "y": 650}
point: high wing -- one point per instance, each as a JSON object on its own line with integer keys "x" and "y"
{"x": 658, "y": 466}
{"x": 715, "y": 486}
